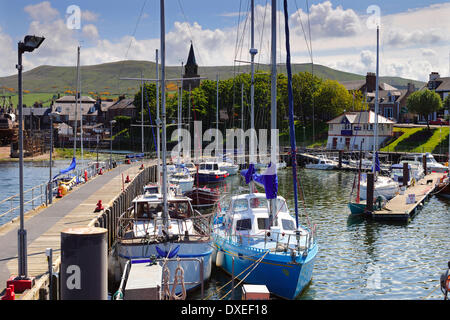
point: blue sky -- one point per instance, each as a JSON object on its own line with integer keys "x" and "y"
{"x": 415, "y": 33}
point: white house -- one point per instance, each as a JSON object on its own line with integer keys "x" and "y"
{"x": 355, "y": 131}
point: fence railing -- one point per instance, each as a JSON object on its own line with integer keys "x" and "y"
{"x": 44, "y": 193}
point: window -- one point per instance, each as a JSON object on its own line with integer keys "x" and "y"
{"x": 281, "y": 206}
{"x": 244, "y": 224}
{"x": 288, "y": 224}
{"x": 240, "y": 205}
{"x": 263, "y": 224}
{"x": 258, "y": 203}
{"x": 215, "y": 166}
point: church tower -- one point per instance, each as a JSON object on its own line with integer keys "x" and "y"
{"x": 191, "y": 71}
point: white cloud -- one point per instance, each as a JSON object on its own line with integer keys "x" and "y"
{"x": 411, "y": 44}
{"x": 328, "y": 22}
{"x": 7, "y": 56}
{"x": 42, "y": 11}
{"x": 89, "y": 16}
{"x": 90, "y": 31}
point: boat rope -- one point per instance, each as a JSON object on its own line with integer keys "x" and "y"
{"x": 439, "y": 191}
{"x": 219, "y": 289}
{"x": 437, "y": 286}
{"x": 256, "y": 264}
{"x": 178, "y": 280}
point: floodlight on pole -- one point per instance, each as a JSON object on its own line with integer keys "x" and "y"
{"x": 22, "y": 282}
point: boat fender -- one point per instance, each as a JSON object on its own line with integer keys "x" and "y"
{"x": 219, "y": 258}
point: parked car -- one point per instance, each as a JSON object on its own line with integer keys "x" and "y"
{"x": 439, "y": 121}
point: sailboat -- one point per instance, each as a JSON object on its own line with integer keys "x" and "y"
{"x": 384, "y": 187}
{"x": 257, "y": 239}
{"x": 167, "y": 227}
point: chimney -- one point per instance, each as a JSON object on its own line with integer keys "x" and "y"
{"x": 371, "y": 82}
{"x": 411, "y": 87}
{"x": 434, "y": 76}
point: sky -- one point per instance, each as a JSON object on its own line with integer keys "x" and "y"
{"x": 414, "y": 34}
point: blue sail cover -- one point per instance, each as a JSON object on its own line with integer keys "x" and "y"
{"x": 377, "y": 163}
{"x": 70, "y": 168}
{"x": 248, "y": 173}
{"x": 268, "y": 179}
{"x": 291, "y": 109}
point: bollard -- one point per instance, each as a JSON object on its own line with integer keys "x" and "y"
{"x": 405, "y": 174}
{"x": 99, "y": 206}
{"x": 369, "y": 190}
{"x": 84, "y": 264}
{"x": 85, "y": 176}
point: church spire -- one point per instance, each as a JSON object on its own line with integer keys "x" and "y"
{"x": 191, "y": 71}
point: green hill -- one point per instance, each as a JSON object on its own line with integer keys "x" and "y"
{"x": 105, "y": 77}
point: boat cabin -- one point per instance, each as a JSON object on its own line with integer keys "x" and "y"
{"x": 250, "y": 214}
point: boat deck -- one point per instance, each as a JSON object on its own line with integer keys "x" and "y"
{"x": 399, "y": 208}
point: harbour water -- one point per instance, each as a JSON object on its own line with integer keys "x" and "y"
{"x": 358, "y": 259}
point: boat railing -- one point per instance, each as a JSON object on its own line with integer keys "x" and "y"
{"x": 283, "y": 243}
{"x": 200, "y": 223}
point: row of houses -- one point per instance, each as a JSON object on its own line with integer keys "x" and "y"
{"x": 96, "y": 115}
{"x": 355, "y": 130}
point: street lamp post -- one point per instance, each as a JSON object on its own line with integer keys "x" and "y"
{"x": 112, "y": 122}
{"x": 22, "y": 282}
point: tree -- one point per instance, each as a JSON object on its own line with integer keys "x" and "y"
{"x": 423, "y": 103}
{"x": 447, "y": 105}
{"x": 332, "y": 98}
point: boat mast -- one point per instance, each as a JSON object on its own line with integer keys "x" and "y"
{"x": 217, "y": 117}
{"x": 142, "y": 113}
{"x": 158, "y": 170}
{"x": 273, "y": 112}
{"x": 375, "y": 137}
{"x": 80, "y": 103}
{"x": 253, "y": 52}
{"x": 163, "y": 113}
{"x": 76, "y": 106}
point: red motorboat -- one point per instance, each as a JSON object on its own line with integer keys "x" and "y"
{"x": 203, "y": 197}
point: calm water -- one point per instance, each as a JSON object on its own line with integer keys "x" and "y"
{"x": 34, "y": 173}
{"x": 358, "y": 258}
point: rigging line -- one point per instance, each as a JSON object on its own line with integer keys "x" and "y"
{"x": 190, "y": 31}
{"x": 129, "y": 46}
{"x": 262, "y": 33}
{"x": 312, "y": 71}
{"x": 303, "y": 29}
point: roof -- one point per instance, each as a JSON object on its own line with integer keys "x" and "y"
{"x": 361, "y": 117}
{"x": 353, "y": 85}
{"x": 445, "y": 84}
{"x": 191, "y": 57}
{"x": 71, "y": 99}
{"x": 65, "y": 109}
{"x": 36, "y": 111}
{"x": 123, "y": 104}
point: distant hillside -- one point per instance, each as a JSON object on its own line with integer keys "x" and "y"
{"x": 105, "y": 77}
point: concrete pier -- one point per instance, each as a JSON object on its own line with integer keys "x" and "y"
{"x": 76, "y": 209}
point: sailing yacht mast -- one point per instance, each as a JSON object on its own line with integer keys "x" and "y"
{"x": 158, "y": 170}
{"x": 253, "y": 52}
{"x": 163, "y": 113}
{"x": 76, "y": 105}
{"x": 375, "y": 137}
{"x": 273, "y": 113}
{"x": 80, "y": 103}
{"x": 217, "y": 116}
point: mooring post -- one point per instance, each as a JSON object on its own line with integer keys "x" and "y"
{"x": 340, "y": 159}
{"x": 84, "y": 264}
{"x": 405, "y": 174}
{"x": 370, "y": 187}
{"x": 424, "y": 163}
